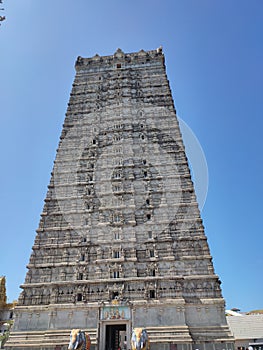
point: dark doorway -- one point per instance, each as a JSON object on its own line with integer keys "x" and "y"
{"x": 115, "y": 337}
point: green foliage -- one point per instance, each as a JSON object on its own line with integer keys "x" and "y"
{"x": 5, "y": 335}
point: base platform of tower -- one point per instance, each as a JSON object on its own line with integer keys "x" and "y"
{"x": 121, "y": 243}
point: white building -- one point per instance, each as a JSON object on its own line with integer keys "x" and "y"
{"x": 247, "y": 329}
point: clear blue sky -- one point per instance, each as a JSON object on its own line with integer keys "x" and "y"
{"x": 214, "y": 58}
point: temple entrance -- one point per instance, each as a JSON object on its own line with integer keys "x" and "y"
{"x": 116, "y": 337}
{"x": 114, "y": 328}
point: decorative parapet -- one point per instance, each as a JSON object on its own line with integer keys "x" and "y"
{"x": 118, "y": 60}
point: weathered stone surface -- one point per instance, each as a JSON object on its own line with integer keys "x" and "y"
{"x": 120, "y": 242}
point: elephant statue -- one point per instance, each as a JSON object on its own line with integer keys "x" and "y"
{"x": 140, "y": 339}
{"x": 79, "y": 340}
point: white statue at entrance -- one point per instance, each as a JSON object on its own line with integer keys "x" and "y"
{"x": 140, "y": 339}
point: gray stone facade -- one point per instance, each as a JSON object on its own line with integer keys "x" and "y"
{"x": 120, "y": 242}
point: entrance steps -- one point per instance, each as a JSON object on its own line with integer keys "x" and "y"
{"x": 43, "y": 339}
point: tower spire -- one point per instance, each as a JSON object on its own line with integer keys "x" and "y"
{"x": 120, "y": 242}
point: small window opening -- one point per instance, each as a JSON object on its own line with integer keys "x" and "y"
{"x": 82, "y": 258}
{"x": 118, "y": 65}
{"x": 116, "y": 274}
{"x": 148, "y": 216}
{"x": 116, "y": 254}
{"x": 80, "y": 276}
{"x": 147, "y": 201}
{"x": 115, "y": 295}
{"x": 152, "y": 294}
{"x": 116, "y": 218}
{"x": 150, "y": 234}
{"x": 116, "y": 235}
{"x": 152, "y": 272}
{"x": 94, "y": 142}
{"x": 152, "y": 253}
{"x": 79, "y": 297}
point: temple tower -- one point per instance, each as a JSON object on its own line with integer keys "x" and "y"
{"x": 120, "y": 242}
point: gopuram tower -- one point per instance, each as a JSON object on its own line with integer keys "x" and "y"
{"x": 120, "y": 242}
